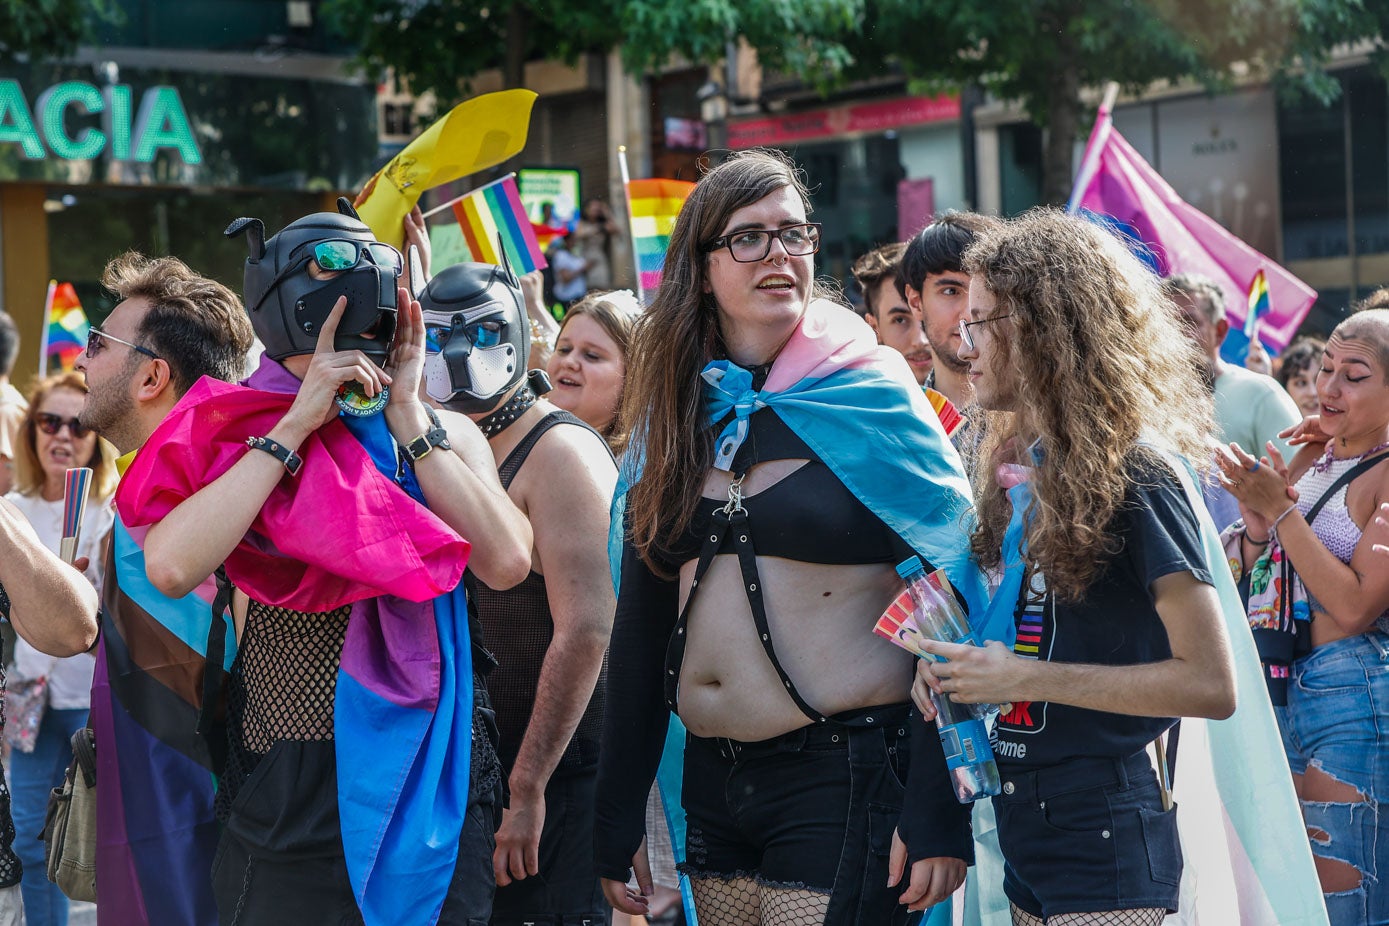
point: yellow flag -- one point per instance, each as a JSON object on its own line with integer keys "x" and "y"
{"x": 475, "y": 135}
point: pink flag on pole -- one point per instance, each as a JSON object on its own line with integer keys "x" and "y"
{"x": 1117, "y": 185}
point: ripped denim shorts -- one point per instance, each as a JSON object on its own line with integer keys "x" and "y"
{"x": 1338, "y": 721}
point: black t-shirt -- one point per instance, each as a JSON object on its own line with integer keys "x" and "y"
{"x": 1115, "y": 623}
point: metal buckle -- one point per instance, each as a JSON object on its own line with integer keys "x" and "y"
{"x": 735, "y": 496}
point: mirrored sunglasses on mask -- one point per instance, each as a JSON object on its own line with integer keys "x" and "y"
{"x": 338, "y": 254}
{"x": 51, "y": 424}
{"x": 483, "y": 334}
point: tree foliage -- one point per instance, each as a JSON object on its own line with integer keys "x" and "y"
{"x": 36, "y": 29}
{"x": 440, "y": 45}
{"x": 1041, "y": 53}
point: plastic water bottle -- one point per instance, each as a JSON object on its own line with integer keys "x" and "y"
{"x": 964, "y": 733}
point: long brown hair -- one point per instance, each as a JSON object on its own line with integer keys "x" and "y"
{"x": 662, "y": 405}
{"x": 29, "y": 475}
{"x": 1102, "y": 362}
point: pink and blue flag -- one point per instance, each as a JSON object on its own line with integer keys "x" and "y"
{"x": 404, "y": 685}
{"x": 1116, "y": 187}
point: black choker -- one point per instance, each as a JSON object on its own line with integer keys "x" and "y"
{"x": 502, "y": 418}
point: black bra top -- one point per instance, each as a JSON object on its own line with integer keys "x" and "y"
{"x": 808, "y": 516}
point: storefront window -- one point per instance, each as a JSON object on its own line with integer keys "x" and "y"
{"x": 1020, "y": 167}
{"x": 87, "y": 226}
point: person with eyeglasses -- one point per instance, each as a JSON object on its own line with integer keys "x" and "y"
{"x": 782, "y": 462}
{"x": 52, "y": 441}
{"x": 337, "y": 503}
{"x": 1107, "y": 624}
{"x": 170, "y": 328}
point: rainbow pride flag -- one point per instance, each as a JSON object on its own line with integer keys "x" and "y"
{"x": 654, "y": 205}
{"x": 495, "y": 212}
{"x": 1259, "y": 306}
{"x": 66, "y": 336}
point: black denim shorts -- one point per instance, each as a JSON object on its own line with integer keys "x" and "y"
{"x": 1086, "y": 836}
{"x": 814, "y": 809}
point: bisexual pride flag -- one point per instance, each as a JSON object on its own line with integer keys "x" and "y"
{"x": 1120, "y": 190}
{"x": 654, "y": 205}
{"x": 493, "y": 220}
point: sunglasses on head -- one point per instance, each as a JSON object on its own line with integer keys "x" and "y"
{"x": 96, "y": 340}
{"x": 52, "y": 424}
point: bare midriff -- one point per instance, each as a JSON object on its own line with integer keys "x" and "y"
{"x": 821, "y": 619}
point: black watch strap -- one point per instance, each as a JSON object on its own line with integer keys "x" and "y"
{"x": 436, "y": 436}
{"x": 291, "y": 460}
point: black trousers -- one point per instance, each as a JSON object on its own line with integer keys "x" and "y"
{"x": 272, "y": 869}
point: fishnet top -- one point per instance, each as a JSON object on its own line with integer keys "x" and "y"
{"x": 281, "y": 688}
{"x": 10, "y": 870}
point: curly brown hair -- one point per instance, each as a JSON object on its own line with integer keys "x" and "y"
{"x": 1104, "y": 364}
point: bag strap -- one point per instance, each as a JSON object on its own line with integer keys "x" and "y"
{"x": 1285, "y": 605}
{"x": 1345, "y": 479}
{"x": 214, "y": 676}
{"x": 84, "y": 754}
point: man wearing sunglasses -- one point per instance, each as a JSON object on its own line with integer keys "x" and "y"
{"x": 170, "y": 329}
{"x": 550, "y": 633}
{"x": 353, "y": 705}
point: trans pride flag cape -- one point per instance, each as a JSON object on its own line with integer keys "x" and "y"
{"x": 404, "y": 693}
{"x": 156, "y": 773}
{"x": 857, "y": 405}
{"x": 1245, "y": 847}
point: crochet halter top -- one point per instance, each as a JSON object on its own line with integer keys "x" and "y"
{"x": 1334, "y": 525}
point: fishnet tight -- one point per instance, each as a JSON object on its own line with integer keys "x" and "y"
{"x": 743, "y": 902}
{"x": 1148, "y": 916}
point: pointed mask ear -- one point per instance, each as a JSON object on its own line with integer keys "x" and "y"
{"x": 506, "y": 263}
{"x": 346, "y": 208}
{"x": 255, "y": 235}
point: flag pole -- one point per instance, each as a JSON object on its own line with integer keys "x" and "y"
{"x": 1098, "y": 136}
{"x": 631, "y": 232}
{"x": 438, "y": 209}
{"x": 43, "y": 337}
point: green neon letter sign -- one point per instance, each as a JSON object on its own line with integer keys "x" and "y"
{"x": 15, "y": 124}
{"x": 162, "y": 123}
{"x": 53, "y": 104}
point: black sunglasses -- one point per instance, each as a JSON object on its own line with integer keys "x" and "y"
{"x": 51, "y": 424}
{"x": 96, "y": 340}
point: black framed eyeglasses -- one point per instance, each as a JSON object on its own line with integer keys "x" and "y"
{"x": 51, "y": 424}
{"x": 968, "y": 339}
{"x": 754, "y": 244}
{"x": 96, "y": 340}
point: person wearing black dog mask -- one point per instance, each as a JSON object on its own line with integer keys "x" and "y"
{"x": 327, "y": 819}
{"x": 550, "y": 632}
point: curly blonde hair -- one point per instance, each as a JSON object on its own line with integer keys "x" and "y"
{"x": 1102, "y": 363}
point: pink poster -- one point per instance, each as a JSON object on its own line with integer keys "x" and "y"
{"x": 916, "y": 203}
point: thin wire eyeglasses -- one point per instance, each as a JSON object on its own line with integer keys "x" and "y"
{"x": 754, "y": 244}
{"x": 96, "y": 340}
{"x": 968, "y": 339}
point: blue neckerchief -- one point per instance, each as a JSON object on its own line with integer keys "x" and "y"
{"x": 728, "y": 388}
